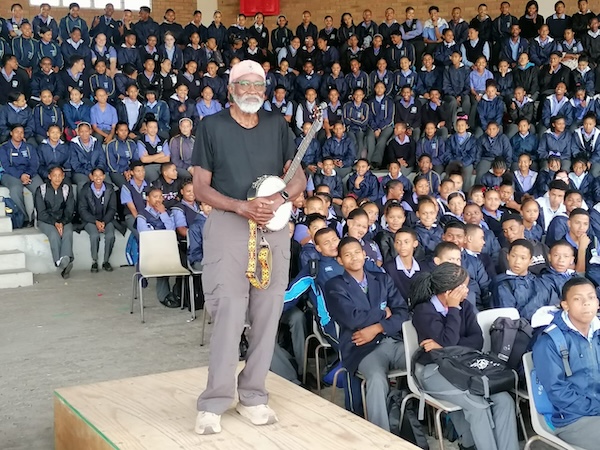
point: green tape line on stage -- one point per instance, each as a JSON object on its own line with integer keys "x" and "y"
{"x": 91, "y": 425}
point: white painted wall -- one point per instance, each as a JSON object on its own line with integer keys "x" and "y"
{"x": 207, "y": 7}
{"x": 546, "y": 8}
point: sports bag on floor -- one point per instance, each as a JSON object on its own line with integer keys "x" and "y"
{"x": 410, "y": 429}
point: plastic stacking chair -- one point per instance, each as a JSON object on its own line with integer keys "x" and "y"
{"x": 322, "y": 344}
{"x": 159, "y": 257}
{"x": 538, "y": 423}
{"x": 391, "y": 375}
{"x": 485, "y": 319}
{"x": 411, "y": 345}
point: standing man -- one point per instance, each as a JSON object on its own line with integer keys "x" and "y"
{"x": 233, "y": 148}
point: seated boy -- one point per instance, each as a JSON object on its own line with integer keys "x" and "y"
{"x": 404, "y": 267}
{"x": 342, "y": 149}
{"x": 314, "y": 222}
{"x": 401, "y": 149}
{"x": 394, "y": 173}
{"x": 55, "y": 206}
{"x": 19, "y": 160}
{"x": 370, "y": 312}
{"x": 358, "y": 224}
{"x": 568, "y": 376}
{"x": 479, "y": 281}
{"x": 363, "y": 184}
{"x": 329, "y": 176}
{"x": 586, "y": 256}
{"x": 580, "y": 179}
{"x": 518, "y": 288}
{"x": 525, "y": 142}
{"x": 169, "y": 183}
{"x": 561, "y": 261}
{"x": 134, "y": 193}
{"x": 558, "y": 225}
{"x": 97, "y": 209}
{"x": 513, "y": 229}
{"x": 155, "y": 217}
{"x": 426, "y": 171}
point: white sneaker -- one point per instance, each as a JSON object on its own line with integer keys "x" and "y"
{"x": 258, "y": 415}
{"x": 208, "y": 423}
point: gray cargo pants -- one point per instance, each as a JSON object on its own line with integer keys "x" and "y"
{"x": 228, "y": 296}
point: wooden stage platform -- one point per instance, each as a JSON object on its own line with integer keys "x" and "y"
{"x": 158, "y": 412}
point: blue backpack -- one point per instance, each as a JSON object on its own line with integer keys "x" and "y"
{"x": 17, "y": 216}
{"x": 540, "y": 397}
{"x": 132, "y": 250}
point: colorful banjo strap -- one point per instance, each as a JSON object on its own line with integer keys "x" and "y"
{"x": 264, "y": 259}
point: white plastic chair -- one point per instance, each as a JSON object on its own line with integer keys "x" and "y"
{"x": 538, "y": 423}
{"x": 159, "y": 257}
{"x": 322, "y": 344}
{"x": 411, "y": 345}
{"x": 485, "y": 319}
{"x": 391, "y": 375}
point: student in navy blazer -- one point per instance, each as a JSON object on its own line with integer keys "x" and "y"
{"x": 370, "y": 312}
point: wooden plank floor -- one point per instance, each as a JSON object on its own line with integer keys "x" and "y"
{"x": 158, "y": 412}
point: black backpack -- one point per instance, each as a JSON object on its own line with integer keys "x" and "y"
{"x": 410, "y": 429}
{"x": 510, "y": 340}
{"x": 473, "y": 371}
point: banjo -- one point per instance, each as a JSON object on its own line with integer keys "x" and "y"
{"x": 270, "y": 184}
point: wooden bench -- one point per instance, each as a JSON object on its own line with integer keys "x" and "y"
{"x": 158, "y": 412}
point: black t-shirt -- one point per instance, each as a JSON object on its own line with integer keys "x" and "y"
{"x": 237, "y": 156}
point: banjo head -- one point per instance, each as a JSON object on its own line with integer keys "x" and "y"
{"x": 266, "y": 186}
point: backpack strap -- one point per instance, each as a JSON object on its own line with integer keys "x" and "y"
{"x": 509, "y": 335}
{"x": 561, "y": 344}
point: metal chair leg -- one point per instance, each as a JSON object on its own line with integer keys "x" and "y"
{"x": 183, "y": 283}
{"x": 334, "y": 386}
{"x": 192, "y": 297}
{"x": 521, "y": 420}
{"x": 363, "y": 394}
{"x": 438, "y": 428}
{"x": 141, "y": 295}
{"x": 305, "y": 362}
{"x": 203, "y": 325}
{"x": 134, "y": 283}
{"x": 318, "y": 368}
{"x": 403, "y": 407}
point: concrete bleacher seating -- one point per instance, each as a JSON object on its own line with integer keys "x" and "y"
{"x": 26, "y": 251}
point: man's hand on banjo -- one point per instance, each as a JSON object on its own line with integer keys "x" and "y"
{"x": 261, "y": 209}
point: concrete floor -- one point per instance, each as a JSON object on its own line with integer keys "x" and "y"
{"x": 60, "y": 333}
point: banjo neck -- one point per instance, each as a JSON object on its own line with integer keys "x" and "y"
{"x": 297, "y": 162}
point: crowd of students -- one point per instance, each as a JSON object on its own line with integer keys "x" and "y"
{"x": 487, "y": 128}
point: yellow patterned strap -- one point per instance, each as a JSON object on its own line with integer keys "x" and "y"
{"x": 264, "y": 259}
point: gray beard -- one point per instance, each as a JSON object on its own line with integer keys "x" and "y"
{"x": 245, "y": 106}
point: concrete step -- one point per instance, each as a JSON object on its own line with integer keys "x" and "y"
{"x": 5, "y": 224}
{"x": 12, "y": 260}
{"x": 14, "y": 278}
{"x": 2, "y": 209}
{"x": 36, "y": 247}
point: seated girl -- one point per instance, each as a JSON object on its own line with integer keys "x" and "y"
{"x": 442, "y": 318}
